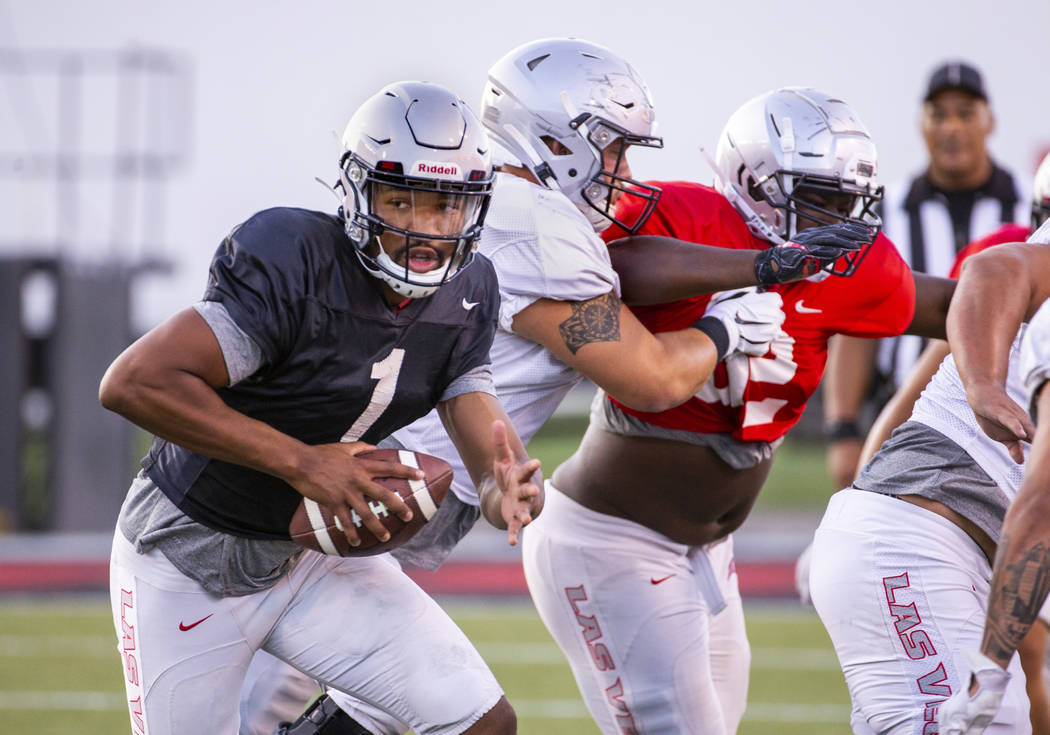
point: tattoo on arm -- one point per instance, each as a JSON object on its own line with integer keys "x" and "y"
{"x": 595, "y": 320}
{"x": 1014, "y": 605}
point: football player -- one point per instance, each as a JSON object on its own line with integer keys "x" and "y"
{"x": 1015, "y": 279}
{"x": 564, "y": 113}
{"x": 935, "y": 494}
{"x": 317, "y": 336}
{"x": 631, "y": 565}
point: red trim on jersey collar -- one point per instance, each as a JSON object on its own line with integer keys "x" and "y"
{"x": 402, "y": 305}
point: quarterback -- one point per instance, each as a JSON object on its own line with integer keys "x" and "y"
{"x": 631, "y": 568}
{"x": 317, "y": 336}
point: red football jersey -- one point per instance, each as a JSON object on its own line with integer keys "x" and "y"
{"x": 761, "y": 398}
{"x": 1006, "y": 233}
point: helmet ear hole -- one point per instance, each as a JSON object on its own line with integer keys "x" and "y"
{"x": 556, "y": 146}
{"x": 754, "y": 190}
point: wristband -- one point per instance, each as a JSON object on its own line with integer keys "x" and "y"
{"x": 716, "y": 330}
{"x": 838, "y": 431}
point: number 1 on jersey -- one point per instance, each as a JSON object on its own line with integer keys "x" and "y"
{"x": 386, "y": 372}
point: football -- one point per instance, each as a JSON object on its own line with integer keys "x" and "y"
{"x": 315, "y": 528}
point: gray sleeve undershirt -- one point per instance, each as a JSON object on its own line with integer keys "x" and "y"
{"x": 477, "y": 380}
{"x": 243, "y": 356}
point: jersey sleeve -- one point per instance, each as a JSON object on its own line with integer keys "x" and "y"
{"x": 1035, "y": 355}
{"x": 474, "y": 343}
{"x": 257, "y": 275}
{"x": 878, "y": 300}
{"x": 551, "y": 253}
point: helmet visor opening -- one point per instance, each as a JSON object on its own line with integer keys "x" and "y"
{"x": 613, "y": 190}
{"x": 423, "y": 213}
{"x": 818, "y": 200}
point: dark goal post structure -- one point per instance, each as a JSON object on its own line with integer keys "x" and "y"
{"x": 88, "y": 140}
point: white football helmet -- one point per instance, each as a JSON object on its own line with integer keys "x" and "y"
{"x": 798, "y": 146}
{"x": 1041, "y": 194}
{"x": 416, "y": 167}
{"x": 557, "y": 104}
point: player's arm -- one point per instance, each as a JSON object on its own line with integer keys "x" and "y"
{"x": 510, "y": 486}
{"x": 1021, "y": 576}
{"x": 166, "y": 383}
{"x": 603, "y": 339}
{"x": 847, "y": 379}
{"x": 656, "y": 270}
{"x": 998, "y": 289}
{"x": 933, "y": 296}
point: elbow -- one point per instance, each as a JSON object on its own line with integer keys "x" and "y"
{"x": 654, "y": 399}
{"x": 119, "y": 389}
{"x": 115, "y": 395}
{"x": 111, "y": 393}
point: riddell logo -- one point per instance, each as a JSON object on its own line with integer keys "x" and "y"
{"x": 436, "y": 169}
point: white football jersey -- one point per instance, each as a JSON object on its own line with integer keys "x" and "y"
{"x": 1035, "y": 353}
{"x": 1035, "y": 356}
{"x": 543, "y": 247}
{"x": 943, "y": 407}
{"x": 943, "y": 403}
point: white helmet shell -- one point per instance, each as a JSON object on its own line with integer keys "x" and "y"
{"x": 556, "y": 104}
{"x": 418, "y": 137}
{"x": 789, "y": 138}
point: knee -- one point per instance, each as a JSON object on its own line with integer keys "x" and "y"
{"x": 500, "y": 720}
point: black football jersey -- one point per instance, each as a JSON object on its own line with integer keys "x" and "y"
{"x": 336, "y": 356}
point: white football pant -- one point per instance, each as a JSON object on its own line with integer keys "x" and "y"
{"x": 632, "y": 611}
{"x": 357, "y": 624}
{"x": 275, "y": 692}
{"x": 902, "y": 593}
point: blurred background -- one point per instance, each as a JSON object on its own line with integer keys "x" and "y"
{"x": 134, "y": 136}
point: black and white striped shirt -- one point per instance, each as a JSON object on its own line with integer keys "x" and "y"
{"x": 929, "y": 228}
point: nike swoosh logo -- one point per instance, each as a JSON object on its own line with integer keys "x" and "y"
{"x": 468, "y": 305}
{"x": 654, "y": 580}
{"x": 183, "y": 626}
{"x": 805, "y": 309}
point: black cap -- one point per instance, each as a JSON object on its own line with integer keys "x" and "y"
{"x": 956, "y": 75}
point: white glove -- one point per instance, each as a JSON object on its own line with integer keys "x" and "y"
{"x": 802, "y": 574}
{"x": 962, "y": 714}
{"x": 752, "y": 318}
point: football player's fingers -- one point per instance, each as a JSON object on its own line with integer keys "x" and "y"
{"x": 524, "y": 470}
{"x": 394, "y": 502}
{"x": 1014, "y": 420}
{"x": 513, "y": 530}
{"x": 342, "y": 511}
{"x": 364, "y": 509}
{"x": 1027, "y": 425}
{"x": 1016, "y": 450}
{"x": 500, "y": 443}
{"x": 355, "y": 448}
{"x": 382, "y": 468}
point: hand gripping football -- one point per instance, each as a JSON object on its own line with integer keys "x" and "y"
{"x": 315, "y": 528}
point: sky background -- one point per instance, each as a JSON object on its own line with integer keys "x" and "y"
{"x": 246, "y": 119}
